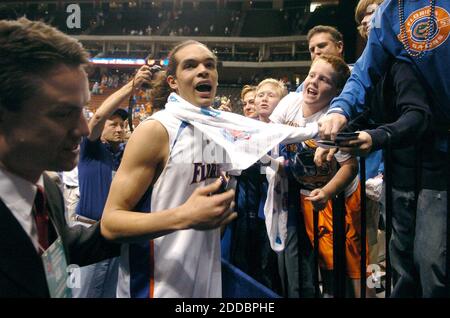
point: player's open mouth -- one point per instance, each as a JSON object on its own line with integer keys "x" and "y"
{"x": 204, "y": 88}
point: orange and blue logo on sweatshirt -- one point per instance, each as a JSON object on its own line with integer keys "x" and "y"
{"x": 417, "y": 28}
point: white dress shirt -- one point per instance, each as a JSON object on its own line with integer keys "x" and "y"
{"x": 18, "y": 195}
{"x": 70, "y": 178}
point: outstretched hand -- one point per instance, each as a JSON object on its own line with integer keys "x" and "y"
{"x": 318, "y": 198}
{"x": 143, "y": 75}
{"x": 330, "y": 125}
{"x": 322, "y": 156}
{"x": 358, "y": 147}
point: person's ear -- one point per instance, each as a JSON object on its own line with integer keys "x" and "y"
{"x": 340, "y": 46}
{"x": 171, "y": 80}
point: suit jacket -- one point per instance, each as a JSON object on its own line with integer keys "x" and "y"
{"x": 21, "y": 269}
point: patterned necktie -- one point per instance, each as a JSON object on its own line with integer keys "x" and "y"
{"x": 41, "y": 218}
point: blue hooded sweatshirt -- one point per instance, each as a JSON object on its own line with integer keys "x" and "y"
{"x": 384, "y": 44}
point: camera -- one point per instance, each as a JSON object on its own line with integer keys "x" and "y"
{"x": 154, "y": 68}
{"x": 217, "y": 102}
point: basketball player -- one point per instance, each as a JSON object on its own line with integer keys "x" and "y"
{"x": 175, "y": 250}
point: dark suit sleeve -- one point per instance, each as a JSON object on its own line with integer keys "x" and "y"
{"x": 83, "y": 245}
{"x": 86, "y": 245}
{"x": 411, "y": 102}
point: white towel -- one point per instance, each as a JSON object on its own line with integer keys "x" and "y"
{"x": 276, "y": 206}
{"x": 245, "y": 141}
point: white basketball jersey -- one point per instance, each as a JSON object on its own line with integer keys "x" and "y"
{"x": 184, "y": 263}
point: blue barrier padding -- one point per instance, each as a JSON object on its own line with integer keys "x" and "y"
{"x": 225, "y": 243}
{"x": 237, "y": 284}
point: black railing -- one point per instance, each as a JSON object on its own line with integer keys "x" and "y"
{"x": 363, "y": 268}
{"x": 339, "y": 257}
{"x": 339, "y": 276}
{"x": 448, "y": 217}
{"x": 316, "y": 252}
{"x": 387, "y": 157}
{"x": 339, "y": 235}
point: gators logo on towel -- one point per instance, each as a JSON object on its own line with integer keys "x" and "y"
{"x": 235, "y": 135}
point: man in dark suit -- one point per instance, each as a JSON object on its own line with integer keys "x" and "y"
{"x": 43, "y": 89}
